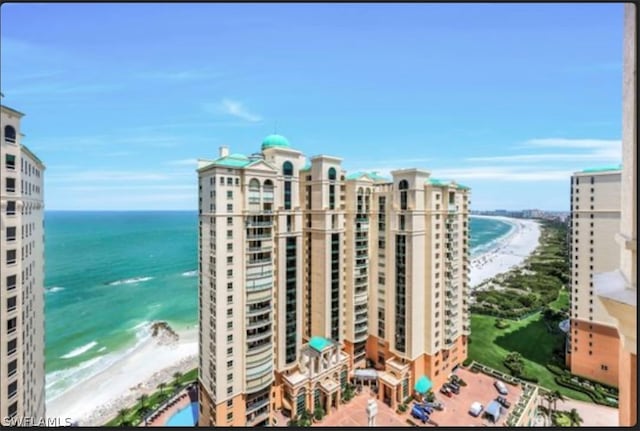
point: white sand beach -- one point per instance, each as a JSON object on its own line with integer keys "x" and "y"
{"x": 509, "y": 252}
{"x": 96, "y": 400}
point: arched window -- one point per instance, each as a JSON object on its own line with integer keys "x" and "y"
{"x": 287, "y": 171}
{"x": 9, "y": 134}
{"x": 403, "y": 186}
{"x": 332, "y": 173}
{"x": 254, "y": 191}
{"x": 287, "y": 168}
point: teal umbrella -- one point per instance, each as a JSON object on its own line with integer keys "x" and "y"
{"x": 423, "y": 385}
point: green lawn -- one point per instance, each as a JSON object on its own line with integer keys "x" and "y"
{"x": 489, "y": 346}
{"x": 154, "y": 400}
{"x": 562, "y": 301}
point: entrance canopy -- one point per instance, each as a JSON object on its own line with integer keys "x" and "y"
{"x": 423, "y": 384}
{"x": 366, "y": 374}
{"x": 493, "y": 410}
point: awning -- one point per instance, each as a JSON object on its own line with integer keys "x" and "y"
{"x": 494, "y": 410}
{"x": 365, "y": 374}
{"x": 423, "y": 384}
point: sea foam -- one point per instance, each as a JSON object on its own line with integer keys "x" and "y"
{"x": 53, "y": 289}
{"x": 80, "y": 350}
{"x": 133, "y": 280}
{"x": 190, "y": 273}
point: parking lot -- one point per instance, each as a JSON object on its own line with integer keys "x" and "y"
{"x": 456, "y": 409}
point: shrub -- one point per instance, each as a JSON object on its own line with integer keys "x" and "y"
{"x": 318, "y": 413}
{"x": 430, "y": 397}
{"x": 467, "y": 361}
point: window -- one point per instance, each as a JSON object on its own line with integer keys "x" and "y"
{"x": 229, "y": 194}
{"x": 11, "y": 282}
{"x": 403, "y": 186}
{"x": 10, "y": 134}
{"x": 229, "y": 207}
{"x": 10, "y": 184}
{"x": 11, "y": 233}
{"x": 229, "y": 365}
{"x": 229, "y": 234}
{"x": 287, "y": 169}
{"x": 229, "y": 259}
{"x": 12, "y": 346}
{"x": 11, "y": 303}
{"x": 11, "y": 256}
{"x": 229, "y": 181}
{"x": 11, "y": 207}
{"x": 221, "y": 180}
{"x": 230, "y": 286}
{"x": 229, "y": 272}
{"x": 230, "y": 414}
{"x": 230, "y": 246}
{"x": 332, "y": 174}
{"x": 10, "y": 162}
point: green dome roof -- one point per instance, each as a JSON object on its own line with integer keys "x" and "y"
{"x": 272, "y": 141}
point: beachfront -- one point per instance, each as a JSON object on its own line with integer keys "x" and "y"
{"x": 98, "y": 399}
{"x": 155, "y": 361}
{"x": 509, "y": 252}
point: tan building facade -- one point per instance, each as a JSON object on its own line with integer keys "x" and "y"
{"x": 22, "y": 376}
{"x": 617, "y": 289}
{"x": 308, "y": 274}
{"x": 593, "y": 342}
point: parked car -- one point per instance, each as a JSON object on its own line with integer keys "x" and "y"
{"x": 419, "y": 414}
{"x": 454, "y": 385}
{"x": 438, "y": 405}
{"x": 454, "y": 389}
{"x": 500, "y": 386}
{"x": 504, "y": 402}
{"x": 446, "y": 391}
{"x": 475, "y": 409}
{"x": 428, "y": 410}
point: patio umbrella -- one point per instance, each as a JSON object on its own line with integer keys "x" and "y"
{"x": 423, "y": 384}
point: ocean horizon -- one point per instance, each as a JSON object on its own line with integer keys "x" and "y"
{"x": 110, "y": 273}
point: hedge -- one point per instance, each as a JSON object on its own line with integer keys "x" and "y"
{"x": 597, "y": 397}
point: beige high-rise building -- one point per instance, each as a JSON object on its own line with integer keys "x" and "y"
{"x": 21, "y": 276}
{"x": 617, "y": 289}
{"x": 595, "y": 219}
{"x": 310, "y": 278}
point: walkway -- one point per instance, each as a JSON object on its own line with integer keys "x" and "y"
{"x": 354, "y": 414}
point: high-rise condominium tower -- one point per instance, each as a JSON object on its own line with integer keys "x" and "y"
{"x": 309, "y": 275}
{"x": 21, "y": 275}
{"x": 595, "y": 219}
{"x": 617, "y": 289}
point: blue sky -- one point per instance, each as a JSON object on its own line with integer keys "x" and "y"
{"x": 122, "y": 98}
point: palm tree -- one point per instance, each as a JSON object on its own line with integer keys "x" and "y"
{"x": 549, "y": 398}
{"x": 161, "y": 386}
{"x": 557, "y": 396}
{"x": 574, "y": 418}
{"x": 144, "y": 411}
{"x": 121, "y": 414}
{"x": 176, "y": 382}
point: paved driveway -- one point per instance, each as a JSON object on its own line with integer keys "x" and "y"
{"x": 354, "y": 414}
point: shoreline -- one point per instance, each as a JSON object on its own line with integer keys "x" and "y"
{"x": 509, "y": 251}
{"x": 97, "y": 399}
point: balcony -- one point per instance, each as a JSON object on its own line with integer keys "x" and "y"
{"x": 261, "y": 223}
{"x": 361, "y": 246}
{"x": 260, "y": 323}
{"x": 259, "y": 335}
{"x": 361, "y": 280}
{"x": 258, "y": 236}
{"x": 361, "y": 318}
{"x": 361, "y": 297}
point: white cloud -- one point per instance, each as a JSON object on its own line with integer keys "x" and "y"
{"x": 111, "y": 176}
{"x": 602, "y": 144}
{"x": 591, "y": 150}
{"x": 183, "y": 162}
{"x": 502, "y": 173}
{"x": 234, "y": 108}
{"x": 180, "y": 75}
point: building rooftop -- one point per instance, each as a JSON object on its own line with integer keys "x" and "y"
{"x": 273, "y": 141}
{"x": 374, "y": 176}
{"x": 320, "y": 343}
{"x": 436, "y": 182}
{"x": 603, "y": 169}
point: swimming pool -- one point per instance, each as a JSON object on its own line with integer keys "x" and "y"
{"x": 185, "y": 417}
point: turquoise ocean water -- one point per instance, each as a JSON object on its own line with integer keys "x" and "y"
{"x": 109, "y": 273}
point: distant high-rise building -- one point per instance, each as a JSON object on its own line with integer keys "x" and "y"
{"x": 595, "y": 218}
{"x": 21, "y": 276}
{"x": 307, "y": 273}
{"x": 617, "y": 289}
